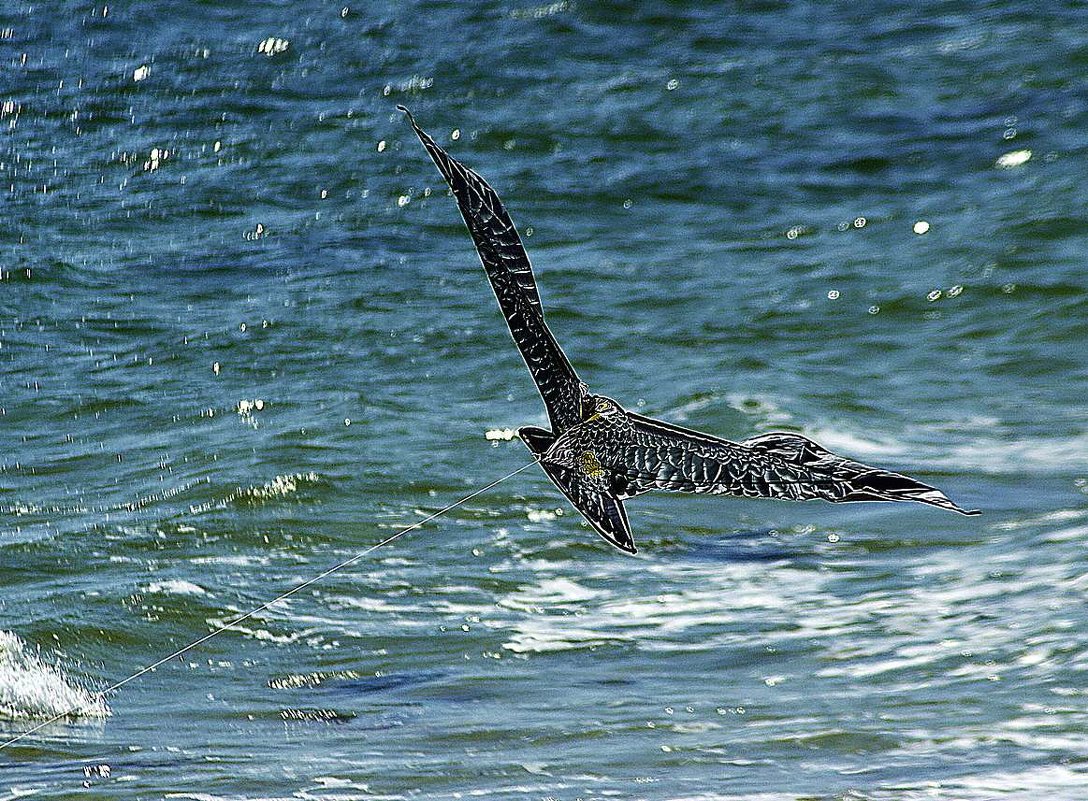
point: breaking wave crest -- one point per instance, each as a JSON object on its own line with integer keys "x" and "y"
{"x": 32, "y": 689}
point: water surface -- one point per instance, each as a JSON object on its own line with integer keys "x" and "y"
{"x": 243, "y": 336}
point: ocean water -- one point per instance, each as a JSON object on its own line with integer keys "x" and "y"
{"x": 244, "y": 336}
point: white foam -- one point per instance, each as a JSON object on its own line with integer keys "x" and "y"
{"x": 1043, "y": 781}
{"x": 272, "y": 46}
{"x": 279, "y": 487}
{"x": 1002, "y": 456}
{"x": 1014, "y": 158}
{"x": 930, "y": 628}
{"x": 30, "y": 688}
{"x": 850, "y": 445}
{"x": 1058, "y": 516}
{"x": 540, "y": 515}
{"x": 651, "y": 623}
{"x": 261, "y": 634}
{"x": 981, "y": 453}
{"x": 175, "y": 587}
{"x": 550, "y": 592}
{"x": 543, "y": 637}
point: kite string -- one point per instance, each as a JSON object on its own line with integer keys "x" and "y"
{"x": 230, "y": 624}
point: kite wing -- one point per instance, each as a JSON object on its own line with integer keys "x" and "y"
{"x": 511, "y": 276}
{"x": 785, "y": 466}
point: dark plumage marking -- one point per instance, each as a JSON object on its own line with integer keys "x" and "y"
{"x": 599, "y": 454}
{"x": 511, "y": 276}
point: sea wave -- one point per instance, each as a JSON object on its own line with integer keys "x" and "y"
{"x": 30, "y": 688}
{"x": 280, "y": 486}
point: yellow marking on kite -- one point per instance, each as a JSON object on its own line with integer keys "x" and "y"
{"x": 591, "y": 466}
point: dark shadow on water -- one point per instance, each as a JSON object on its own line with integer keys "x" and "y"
{"x": 752, "y": 545}
{"x": 366, "y": 685}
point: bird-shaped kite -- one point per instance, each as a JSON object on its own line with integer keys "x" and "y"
{"x": 599, "y": 454}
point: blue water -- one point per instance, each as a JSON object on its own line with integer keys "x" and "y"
{"x": 244, "y": 335}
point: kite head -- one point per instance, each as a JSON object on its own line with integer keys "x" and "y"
{"x": 598, "y": 407}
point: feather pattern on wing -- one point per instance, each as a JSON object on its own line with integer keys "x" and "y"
{"x": 598, "y": 505}
{"x": 660, "y": 456}
{"x": 511, "y": 276}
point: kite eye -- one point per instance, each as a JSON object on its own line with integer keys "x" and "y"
{"x": 602, "y": 407}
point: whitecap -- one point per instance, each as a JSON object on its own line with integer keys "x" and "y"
{"x": 981, "y": 453}
{"x": 175, "y": 587}
{"x": 1040, "y": 781}
{"x": 550, "y": 637}
{"x": 279, "y": 487}
{"x": 263, "y": 635}
{"x": 541, "y": 515}
{"x": 550, "y": 592}
{"x": 1003, "y": 456}
{"x": 839, "y": 440}
{"x": 30, "y": 688}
